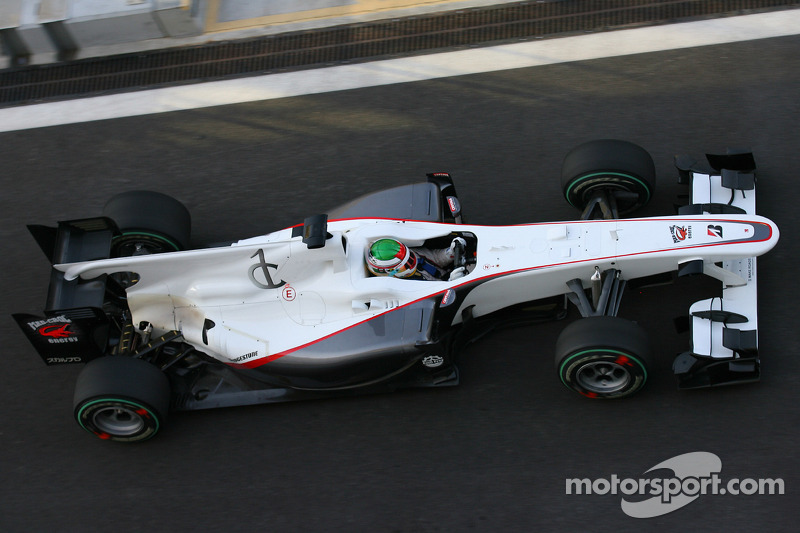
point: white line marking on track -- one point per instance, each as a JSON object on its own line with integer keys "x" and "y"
{"x": 405, "y": 70}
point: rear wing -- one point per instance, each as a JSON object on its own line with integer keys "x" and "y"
{"x": 724, "y": 329}
{"x": 74, "y": 328}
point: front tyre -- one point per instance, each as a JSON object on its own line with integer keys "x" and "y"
{"x": 603, "y": 357}
{"x": 618, "y": 169}
{"x": 122, "y": 399}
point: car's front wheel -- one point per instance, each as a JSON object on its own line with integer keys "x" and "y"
{"x": 618, "y": 171}
{"x": 603, "y": 357}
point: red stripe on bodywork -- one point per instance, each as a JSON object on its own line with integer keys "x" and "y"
{"x": 255, "y": 363}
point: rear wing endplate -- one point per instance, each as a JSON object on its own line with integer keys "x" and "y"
{"x": 74, "y": 328}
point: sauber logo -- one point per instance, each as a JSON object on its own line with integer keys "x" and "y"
{"x": 715, "y": 231}
{"x": 262, "y": 265}
{"x": 680, "y": 233}
{"x": 55, "y": 331}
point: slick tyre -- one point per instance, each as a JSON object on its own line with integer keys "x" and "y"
{"x": 149, "y": 222}
{"x": 603, "y": 357}
{"x": 121, "y": 399}
{"x": 620, "y": 168}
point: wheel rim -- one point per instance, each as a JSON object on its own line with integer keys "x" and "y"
{"x": 118, "y": 420}
{"x": 133, "y": 244}
{"x": 603, "y": 376}
{"x": 612, "y": 182}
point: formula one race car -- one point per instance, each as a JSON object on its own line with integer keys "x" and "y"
{"x": 299, "y": 313}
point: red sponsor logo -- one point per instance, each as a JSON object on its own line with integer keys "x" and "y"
{"x": 680, "y": 233}
{"x": 56, "y": 331}
{"x": 715, "y": 231}
{"x": 448, "y": 297}
{"x": 289, "y": 293}
{"x": 452, "y": 204}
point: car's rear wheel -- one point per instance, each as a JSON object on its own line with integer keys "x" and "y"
{"x": 621, "y": 170}
{"x": 122, "y": 399}
{"x": 149, "y": 222}
{"x": 603, "y": 357}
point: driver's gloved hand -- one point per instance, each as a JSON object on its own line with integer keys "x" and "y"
{"x": 457, "y": 242}
{"x": 459, "y": 272}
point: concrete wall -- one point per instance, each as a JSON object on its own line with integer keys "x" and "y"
{"x": 47, "y": 30}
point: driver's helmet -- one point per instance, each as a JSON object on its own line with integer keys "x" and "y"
{"x": 388, "y": 257}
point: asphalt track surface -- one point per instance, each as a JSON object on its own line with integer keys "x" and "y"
{"x": 490, "y": 455}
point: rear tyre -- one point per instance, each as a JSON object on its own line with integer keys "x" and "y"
{"x": 121, "y": 399}
{"x": 603, "y": 357}
{"x": 620, "y": 168}
{"x": 149, "y": 222}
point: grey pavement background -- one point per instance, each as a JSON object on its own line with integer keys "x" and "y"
{"x": 490, "y": 455}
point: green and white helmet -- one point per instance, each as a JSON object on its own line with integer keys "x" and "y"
{"x": 389, "y": 257}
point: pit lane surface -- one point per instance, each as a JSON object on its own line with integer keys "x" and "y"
{"x": 491, "y": 455}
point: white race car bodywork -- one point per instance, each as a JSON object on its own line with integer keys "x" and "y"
{"x": 296, "y": 314}
{"x": 264, "y": 298}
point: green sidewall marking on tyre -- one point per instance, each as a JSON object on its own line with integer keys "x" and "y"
{"x": 595, "y": 174}
{"x": 79, "y": 416}
{"x": 153, "y": 235}
{"x": 594, "y": 350}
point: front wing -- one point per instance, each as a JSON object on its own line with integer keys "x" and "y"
{"x": 724, "y": 329}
